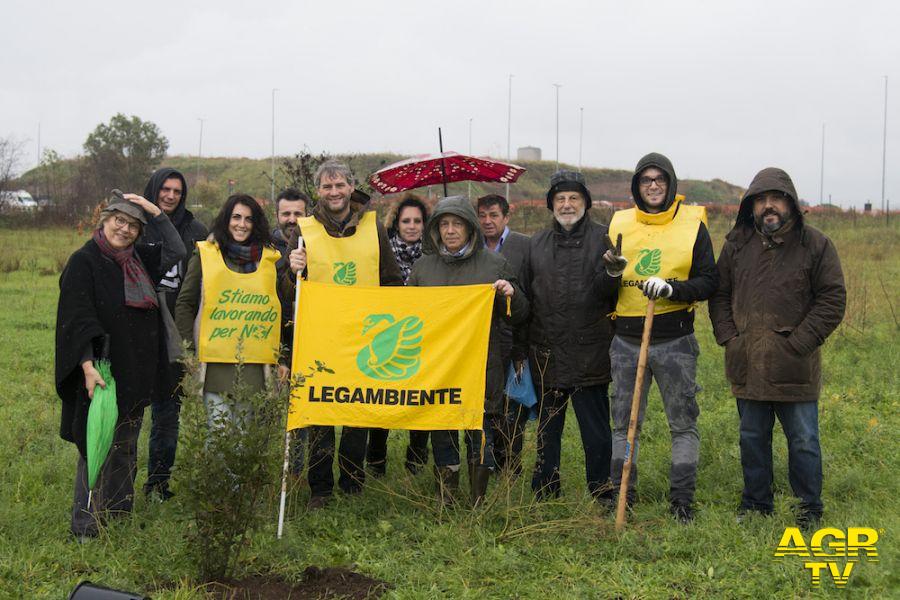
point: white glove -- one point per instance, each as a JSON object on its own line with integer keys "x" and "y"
{"x": 656, "y": 287}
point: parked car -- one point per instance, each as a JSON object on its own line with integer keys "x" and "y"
{"x": 17, "y": 201}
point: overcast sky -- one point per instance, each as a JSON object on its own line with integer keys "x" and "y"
{"x": 723, "y": 88}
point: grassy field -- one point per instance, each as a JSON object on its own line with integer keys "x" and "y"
{"x": 513, "y": 548}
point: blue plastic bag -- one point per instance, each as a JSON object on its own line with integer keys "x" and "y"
{"x": 520, "y": 388}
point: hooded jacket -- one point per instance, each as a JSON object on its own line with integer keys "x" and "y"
{"x": 779, "y": 297}
{"x": 702, "y": 279}
{"x": 190, "y": 230}
{"x": 475, "y": 265}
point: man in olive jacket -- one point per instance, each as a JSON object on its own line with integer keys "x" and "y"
{"x": 781, "y": 294}
{"x": 571, "y": 294}
{"x": 454, "y": 254}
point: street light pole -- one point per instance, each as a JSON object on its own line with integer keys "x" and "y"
{"x": 580, "y": 136}
{"x": 509, "y": 130}
{"x": 273, "y": 146}
{"x": 822, "y": 169}
{"x": 199, "y": 150}
{"x": 884, "y": 144}
{"x": 557, "y": 86}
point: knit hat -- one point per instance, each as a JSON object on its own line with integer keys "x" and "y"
{"x": 568, "y": 181}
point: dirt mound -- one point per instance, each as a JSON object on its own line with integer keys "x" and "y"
{"x": 318, "y": 583}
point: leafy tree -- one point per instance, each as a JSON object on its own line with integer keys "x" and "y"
{"x": 10, "y": 156}
{"x": 124, "y": 152}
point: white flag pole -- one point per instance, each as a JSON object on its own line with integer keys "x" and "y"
{"x": 287, "y": 433}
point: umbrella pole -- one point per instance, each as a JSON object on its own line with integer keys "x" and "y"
{"x": 287, "y": 433}
{"x": 443, "y": 167}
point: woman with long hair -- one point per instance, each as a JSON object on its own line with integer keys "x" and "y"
{"x": 236, "y": 265}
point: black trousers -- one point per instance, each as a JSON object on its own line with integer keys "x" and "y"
{"x": 164, "y": 415}
{"x": 591, "y": 404}
{"x": 114, "y": 491}
{"x": 416, "y": 451}
{"x": 351, "y": 459}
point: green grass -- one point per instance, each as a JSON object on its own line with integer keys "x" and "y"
{"x": 513, "y": 547}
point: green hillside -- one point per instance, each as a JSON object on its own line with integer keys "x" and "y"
{"x": 252, "y": 176}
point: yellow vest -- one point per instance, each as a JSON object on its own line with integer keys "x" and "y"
{"x": 656, "y": 245}
{"x": 349, "y": 260}
{"x": 239, "y": 309}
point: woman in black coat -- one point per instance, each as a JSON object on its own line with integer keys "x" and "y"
{"x": 107, "y": 293}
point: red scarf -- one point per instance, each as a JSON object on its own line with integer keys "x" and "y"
{"x": 139, "y": 292}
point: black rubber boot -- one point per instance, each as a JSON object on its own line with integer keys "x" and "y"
{"x": 478, "y": 480}
{"x": 447, "y": 481}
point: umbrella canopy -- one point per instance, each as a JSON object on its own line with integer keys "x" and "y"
{"x": 446, "y": 167}
{"x": 101, "y": 422}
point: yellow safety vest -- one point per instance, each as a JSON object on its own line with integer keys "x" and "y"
{"x": 352, "y": 260}
{"x": 241, "y": 316}
{"x": 656, "y": 245}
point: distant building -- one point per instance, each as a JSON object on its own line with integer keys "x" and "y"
{"x": 528, "y": 153}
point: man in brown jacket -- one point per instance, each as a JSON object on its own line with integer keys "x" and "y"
{"x": 781, "y": 293}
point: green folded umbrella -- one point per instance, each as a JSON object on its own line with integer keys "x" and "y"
{"x": 101, "y": 422}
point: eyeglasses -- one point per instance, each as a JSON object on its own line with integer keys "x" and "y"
{"x": 659, "y": 180}
{"x": 123, "y": 223}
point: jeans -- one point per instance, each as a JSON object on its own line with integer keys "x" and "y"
{"x": 445, "y": 445}
{"x": 800, "y": 421}
{"x": 164, "y": 414}
{"x": 351, "y": 459}
{"x": 673, "y": 364}
{"x": 591, "y": 404}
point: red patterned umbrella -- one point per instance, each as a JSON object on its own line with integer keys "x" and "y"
{"x": 446, "y": 167}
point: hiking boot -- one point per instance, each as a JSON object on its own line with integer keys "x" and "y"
{"x": 478, "y": 480}
{"x": 377, "y": 469}
{"x": 447, "y": 481}
{"x": 808, "y": 520}
{"x": 317, "y": 502}
{"x": 158, "y": 492}
{"x": 682, "y": 511}
{"x": 744, "y": 513}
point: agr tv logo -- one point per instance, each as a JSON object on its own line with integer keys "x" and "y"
{"x": 830, "y": 546}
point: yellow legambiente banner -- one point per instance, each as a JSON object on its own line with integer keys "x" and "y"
{"x": 393, "y": 357}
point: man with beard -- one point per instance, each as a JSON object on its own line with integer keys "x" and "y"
{"x": 670, "y": 260}
{"x": 781, "y": 294}
{"x": 344, "y": 244}
{"x": 168, "y": 189}
{"x": 571, "y": 291}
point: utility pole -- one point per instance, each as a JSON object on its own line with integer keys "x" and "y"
{"x": 469, "y": 183}
{"x": 580, "y": 136}
{"x": 557, "y": 86}
{"x": 37, "y": 191}
{"x": 273, "y": 146}
{"x": 884, "y": 144}
{"x": 508, "y": 130}
{"x": 822, "y": 169}
{"x": 199, "y": 149}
